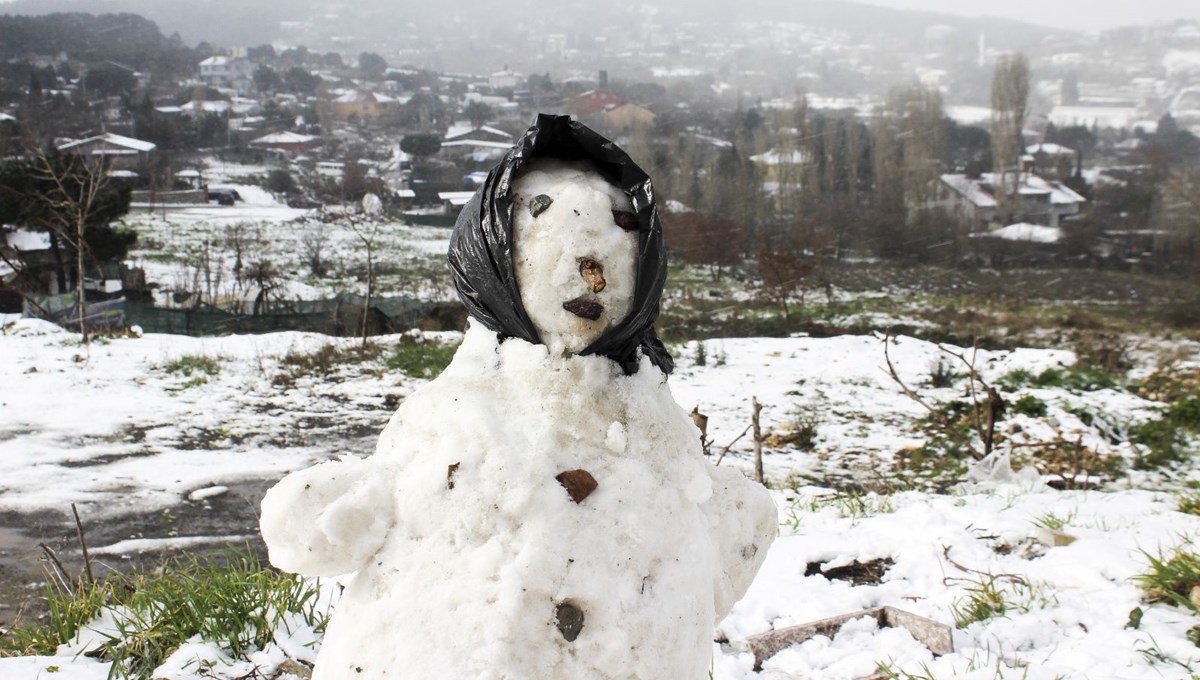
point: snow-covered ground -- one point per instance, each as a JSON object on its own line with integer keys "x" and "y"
{"x": 196, "y": 247}
{"x": 123, "y": 428}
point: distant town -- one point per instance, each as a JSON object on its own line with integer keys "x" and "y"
{"x": 781, "y": 143}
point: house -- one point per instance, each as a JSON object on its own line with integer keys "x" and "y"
{"x": 463, "y": 130}
{"x": 361, "y": 105}
{"x": 628, "y": 116}
{"x": 236, "y": 72}
{"x": 453, "y": 201}
{"x": 781, "y": 168}
{"x": 1034, "y": 199}
{"x": 596, "y": 101}
{"x": 505, "y": 79}
{"x": 1054, "y": 161}
{"x": 477, "y": 150}
{"x": 119, "y": 152}
{"x": 292, "y": 142}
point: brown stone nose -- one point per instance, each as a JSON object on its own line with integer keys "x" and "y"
{"x": 593, "y": 273}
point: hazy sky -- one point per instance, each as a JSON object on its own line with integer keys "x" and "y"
{"x": 1086, "y": 15}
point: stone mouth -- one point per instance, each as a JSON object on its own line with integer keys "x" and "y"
{"x": 584, "y": 307}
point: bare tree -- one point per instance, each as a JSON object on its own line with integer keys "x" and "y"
{"x": 1180, "y": 219}
{"x": 71, "y": 195}
{"x": 1010, "y": 104}
{"x": 366, "y": 227}
{"x": 312, "y": 244}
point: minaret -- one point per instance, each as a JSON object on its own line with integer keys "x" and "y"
{"x": 982, "y": 48}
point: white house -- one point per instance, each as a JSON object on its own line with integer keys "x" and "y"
{"x": 220, "y": 70}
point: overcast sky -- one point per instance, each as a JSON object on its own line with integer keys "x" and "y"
{"x": 1085, "y": 15}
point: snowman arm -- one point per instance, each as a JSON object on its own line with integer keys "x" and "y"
{"x": 328, "y": 519}
{"x": 745, "y": 523}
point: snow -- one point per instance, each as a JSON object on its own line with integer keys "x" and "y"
{"x": 864, "y": 423}
{"x": 1023, "y": 231}
{"x": 478, "y": 499}
{"x": 549, "y": 249}
{"x": 115, "y": 140}
{"x": 460, "y": 505}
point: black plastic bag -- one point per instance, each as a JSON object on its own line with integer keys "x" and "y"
{"x": 481, "y": 246}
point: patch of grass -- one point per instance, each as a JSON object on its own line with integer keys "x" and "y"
{"x": 985, "y": 600}
{"x": 1028, "y": 405}
{"x": 323, "y": 361}
{"x": 193, "y": 363}
{"x": 801, "y": 433}
{"x": 1189, "y": 503}
{"x": 1052, "y": 521}
{"x": 1014, "y": 380}
{"x": 1075, "y": 378}
{"x": 890, "y": 673}
{"x": 942, "y": 373}
{"x": 1163, "y": 440}
{"x": 1175, "y": 579}
{"x": 421, "y": 358}
{"x": 70, "y": 606}
{"x": 228, "y": 599}
{"x": 852, "y": 505}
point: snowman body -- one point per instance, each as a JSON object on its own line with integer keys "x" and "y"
{"x": 479, "y": 554}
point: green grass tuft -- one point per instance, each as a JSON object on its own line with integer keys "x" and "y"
{"x": 421, "y": 359}
{"x": 1029, "y": 405}
{"x": 228, "y": 599}
{"x": 1175, "y": 579}
{"x": 193, "y": 363}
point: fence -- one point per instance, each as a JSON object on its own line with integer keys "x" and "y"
{"x": 64, "y": 311}
{"x": 340, "y": 315}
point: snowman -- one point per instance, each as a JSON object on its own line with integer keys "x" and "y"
{"x": 542, "y": 509}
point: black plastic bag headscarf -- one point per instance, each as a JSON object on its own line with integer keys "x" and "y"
{"x": 481, "y": 246}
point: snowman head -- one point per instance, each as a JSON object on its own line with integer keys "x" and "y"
{"x": 575, "y": 264}
{"x": 563, "y": 246}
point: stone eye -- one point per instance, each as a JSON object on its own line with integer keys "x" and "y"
{"x": 538, "y": 205}
{"x": 625, "y": 220}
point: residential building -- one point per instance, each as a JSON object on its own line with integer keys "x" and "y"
{"x": 118, "y": 151}
{"x": 236, "y": 72}
{"x": 361, "y": 105}
{"x": 1034, "y": 200}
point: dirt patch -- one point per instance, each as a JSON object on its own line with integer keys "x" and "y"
{"x": 867, "y": 573}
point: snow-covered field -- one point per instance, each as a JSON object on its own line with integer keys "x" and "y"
{"x": 181, "y": 430}
{"x": 127, "y": 429}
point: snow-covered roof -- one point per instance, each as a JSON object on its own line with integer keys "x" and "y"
{"x": 115, "y": 140}
{"x": 981, "y": 191}
{"x": 4, "y": 118}
{"x": 777, "y": 157}
{"x": 285, "y": 137}
{"x": 477, "y": 142}
{"x": 220, "y": 60}
{"x": 1023, "y": 231}
{"x": 26, "y": 240}
{"x": 122, "y": 174}
{"x": 207, "y": 106}
{"x": 1050, "y": 148}
{"x": 456, "y": 197}
{"x": 461, "y": 128}
{"x": 356, "y": 97}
